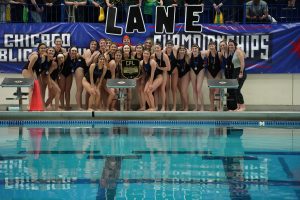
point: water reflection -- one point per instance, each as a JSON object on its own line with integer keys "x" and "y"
{"x": 133, "y": 162}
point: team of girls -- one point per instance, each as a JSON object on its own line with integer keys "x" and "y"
{"x": 162, "y": 71}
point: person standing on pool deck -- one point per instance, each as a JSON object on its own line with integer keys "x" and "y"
{"x": 239, "y": 73}
{"x": 213, "y": 70}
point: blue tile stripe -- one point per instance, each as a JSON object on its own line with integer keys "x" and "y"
{"x": 291, "y": 153}
{"x": 58, "y": 152}
{"x": 243, "y": 123}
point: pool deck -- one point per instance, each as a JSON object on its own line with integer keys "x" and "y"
{"x": 145, "y": 115}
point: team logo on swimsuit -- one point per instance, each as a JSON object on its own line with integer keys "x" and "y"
{"x": 130, "y": 68}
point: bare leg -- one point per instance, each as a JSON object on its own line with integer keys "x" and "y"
{"x": 62, "y": 86}
{"x": 200, "y": 78}
{"x": 168, "y": 88}
{"x": 194, "y": 85}
{"x": 27, "y": 74}
{"x": 78, "y": 78}
{"x": 140, "y": 90}
{"x": 149, "y": 92}
{"x": 211, "y": 94}
{"x": 129, "y": 97}
{"x": 185, "y": 81}
{"x": 174, "y": 83}
{"x": 69, "y": 81}
{"x": 163, "y": 91}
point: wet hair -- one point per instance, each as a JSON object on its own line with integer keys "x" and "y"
{"x": 93, "y": 40}
{"x": 212, "y": 42}
{"x": 149, "y": 38}
{"x": 223, "y": 41}
{"x": 129, "y": 48}
{"x": 41, "y": 44}
{"x": 159, "y": 44}
{"x": 139, "y": 45}
{"x": 118, "y": 51}
{"x": 60, "y": 55}
{"x": 102, "y": 39}
{"x": 195, "y": 45}
{"x": 56, "y": 38}
{"x": 170, "y": 42}
{"x": 51, "y": 48}
{"x": 147, "y": 51}
{"x": 72, "y": 48}
{"x": 181, "y": 47}
{"x": 233, "y": 41}
{"x": 101, "y": 56}
{"x": 113, "y": 44}
{"x": 108, "y": 40}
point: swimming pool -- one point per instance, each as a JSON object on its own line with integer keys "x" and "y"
{"x": 149, "y": 160}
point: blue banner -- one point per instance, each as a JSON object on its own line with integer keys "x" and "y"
{"x": 272, "y": 48}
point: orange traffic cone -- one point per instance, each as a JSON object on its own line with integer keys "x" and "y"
{"x": 36, "y": 137}
{"x": 36, "y": 103}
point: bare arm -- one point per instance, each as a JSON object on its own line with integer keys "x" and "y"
{"x": 241, "y": 57}
{"x": 69, "y": 3}
{"x": 81, "y": 3}
{"x": 89, "y": 58}
{"x": 32, "y": 59}
{"x": 167, "y": 61}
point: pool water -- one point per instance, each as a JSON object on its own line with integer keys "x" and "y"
{"x": 140, "y": 162}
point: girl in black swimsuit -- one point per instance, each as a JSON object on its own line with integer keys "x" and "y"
{"x": 163, "y": 66}
{"x": 114, "y": 71}
{"x": 58, "y": 47}
{"x": 76, "y": 65}
{"x": 93, "y": 80}
{"x": 34, "y": 66}
{"x": 140, "y": 82}
{"x": 184, "y": 76}
{"x": 110, "y": 55}
{"x": 172, "y": 80}
{"x": 53, "y": 88}
{"x": 213, "y": 71}
{"x": 153, "y": 80}
{"x": 197, "y": 75}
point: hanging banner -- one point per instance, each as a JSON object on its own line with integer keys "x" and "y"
{"x": 269, "y": 48}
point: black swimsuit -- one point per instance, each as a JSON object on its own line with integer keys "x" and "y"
{"x": 214, "y": 65}
{"x": 147, "y": 70}
{"x": 161, "y": 63}
{"x": 118, "y": 71}
{"x": 141, "y": 58}
{"x": 183, "y": 67}
{"x": 97, "y": 73}
{"x": 71, "y": 65}
{"x": 172, "y": 62}
{"x": 197, "y": 64}
{"x": 37, "y": 66}
{"x": 54, "y": 74}
{"x": 229, "y": 67}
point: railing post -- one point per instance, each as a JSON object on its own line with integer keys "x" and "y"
{"x": 62, "y": 11}
{"x": 244, "y": 12}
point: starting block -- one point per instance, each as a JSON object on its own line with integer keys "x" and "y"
{"x": 121, "y": 84}
{"x": 18, "y": 83}
{"x": 223, "y": 84}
